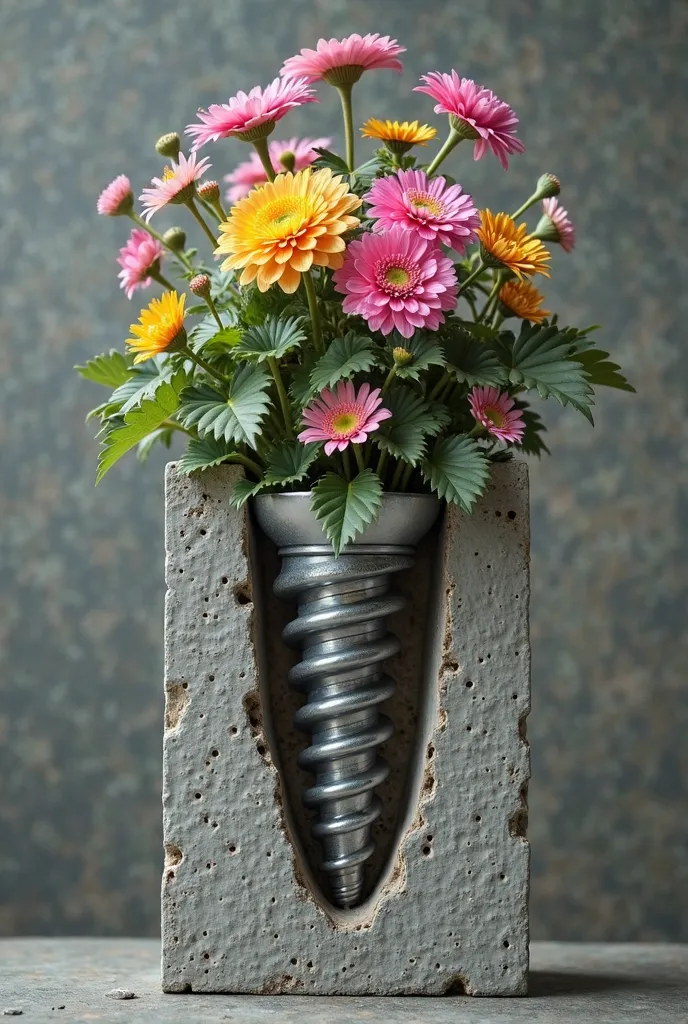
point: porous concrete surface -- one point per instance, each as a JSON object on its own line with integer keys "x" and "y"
{"x": 447, "y": 912}
{"x": 569, "y": 984}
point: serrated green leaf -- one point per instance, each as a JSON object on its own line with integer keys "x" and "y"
{"x": 424, "y": 352}
{"x": 326, "y": 158}
{"x": 472, "y": 362}
{"x": 346, "y": 507}
{"x": 412, "y": 419}
{"x": 539, "y": 359}
{"x": 207, "y": 329}
{"x": 163, "y": 435}
{"x": 457, "y": 470}
{"x": 270, "y": 340}
{"x": 143, "y": 382}
{"x": 346, "y": 356}
{"x": 301, "y": 389}
{"x": 532, "y": 442}
{"x": 245, "y": 489}
{"x": 199, "y": 309}
{"x": 289, "y": 462}
{"x": 600, "y": 370}
{"x": 203, "y": 454}
{"x": 225, "y": 341}
{"x": 236, "y": 417}
{"x": 140, "y": 422}
{"x": 480, "y": 331}
{"x": 111, "y": 369}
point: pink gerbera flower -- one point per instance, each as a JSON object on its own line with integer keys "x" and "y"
{"x": 251, "y": 116}
{"x": 299, "y": 152}
{"x": 397, "y": 280}
{"x": 555, "y": 226}
{"x": 428, "y": 206}
{"x": 342, "y": 416}
{"x": 141, "y": 255}
{"x": 117, "y": 198}
{"x": 495, "y": 411}
{"x": 474, "y": 113}
{"x": 343, "y": 61}
{"x": 177, "y": 185}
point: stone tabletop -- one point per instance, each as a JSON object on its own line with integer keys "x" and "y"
{"x": 75, "y": 980}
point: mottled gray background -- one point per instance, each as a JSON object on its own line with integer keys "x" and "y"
{"x": 600, "y": 87}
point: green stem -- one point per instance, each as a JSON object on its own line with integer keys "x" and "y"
{"x": 495, "y": 288}
{"x": 397, "y": 476}
{"x": 347, "y": 112}
{"x": 440, "y": 385}
{"x": 381, "y": 462}
{"x": 200, "y": 361}
{"x": 405, "y": 480}
{"x": 173, "y": 425}
{"x": 213, "y": 309}
{"x": 451, "y": 142}
{"x": 526, "y": 206}
{"x": 346, "y": 462}
{"x": 281, "y": 391}
{"x": 161, "y": 279}
{"x": 263, "y": 150}
{"x": 316, "y": 325}
{"x": 358, "y": 455}
{"x": 472, "y": 276}
{"x": 219, "y": 209}
{"x": 249, "y": 463}
{"x": 497, "y": 322}
{"x": 195, "y": 211}
{"x": 388, "y": 379}
{"x": 154, "y": 234}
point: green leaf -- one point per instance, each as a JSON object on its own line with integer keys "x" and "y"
{"x": 328, "y": 159}
{"x": 224, "y": 341}
{"x": 110, "y": 369}
{"x": 424, "y": 353}
{"x": 140, "y": 422}
{"x": 270, "y": 340}
{"x": 472, "y": 362}
{"x": 457, "y": 470}
{"x": 145, "y": 447}
{"x": 204, "y": 453}
{"x": 289, "y": 462}
{"x": 600, "y": 370}
{"x": 243, "y": 490}
{"x": 539, "y": 359}
{"x": 346, "y": 356}
{"x": 207, "y": 329}
{"x": 532, "y": 442}
{"x": 236, "y": 417}
{"x": 300, "y": 389}
{"x": 412, "y": 419}
{"x": 346, "y": 507}
{"x": 480, "y": 331}
{"x": 364, "y": 175}
{"x": 143, "y": 382}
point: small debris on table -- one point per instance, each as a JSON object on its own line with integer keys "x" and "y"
{"x": 120, "y": 993}
{"x": 12, "y": 1011}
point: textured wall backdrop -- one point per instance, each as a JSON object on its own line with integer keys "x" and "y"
{"x": 85, "y": 88}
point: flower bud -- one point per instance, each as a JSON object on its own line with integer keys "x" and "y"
{"x": 209, "y": 191}
{"x": 288, "y": 160}
{"x": 169, "y": 145}
{"x": 200, "y": 285}
{"x": 175, "y": 238}
{"x": 548, "y": 185}
{"x": 401, "y": 356}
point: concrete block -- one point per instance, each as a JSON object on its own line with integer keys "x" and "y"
{"x": 447, "y": 903}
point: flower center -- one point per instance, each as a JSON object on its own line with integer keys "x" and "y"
{"x": 167, "y": 174}
{"x": 284, "y": 216}
{"x": 345, "y": 422}
{"x": 495, "y": 417}
{"x": 162, "y": 327}
{"x": 424, "y": 202}
{"x": 397, "y": 276}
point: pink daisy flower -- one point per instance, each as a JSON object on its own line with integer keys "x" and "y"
{"x": 117, "y": 198}
{"x": 397, "y": 280}
{"x": 495, "y": 411}
{"x": 137, "y": 258}
{"x": 342, "y": 416}
{"x": 475, "y": 113}
{"x": 250, "y": 116}
{"x": 555, "y": 226}
{"x": 428, "y": 206}
{"x": 343, "y": 61}
{"x": 177, "y": 185}
{"x": 251, "y": 172}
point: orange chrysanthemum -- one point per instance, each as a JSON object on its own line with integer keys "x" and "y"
{"x": 282, "y": 229}
{"x": 504, "y": 244}
{"x": 523, "y": 299}
{"x": 398, "y": 136}
{"x": 160, "y": 327}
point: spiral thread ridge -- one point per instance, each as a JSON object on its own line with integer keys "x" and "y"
{"x": 343, "y": 604}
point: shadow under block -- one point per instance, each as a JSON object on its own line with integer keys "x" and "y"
{"x": 447, "y": 905}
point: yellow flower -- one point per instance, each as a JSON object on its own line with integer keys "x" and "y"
{"x": 398, "y": 136}
{"x": 503, "y": 244}
{"x": 283, "y": 228}
{"x": 523, "y": 299}
{"x": 160, "y": 327}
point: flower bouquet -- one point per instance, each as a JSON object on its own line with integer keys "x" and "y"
{"x": 355, "y": 328}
